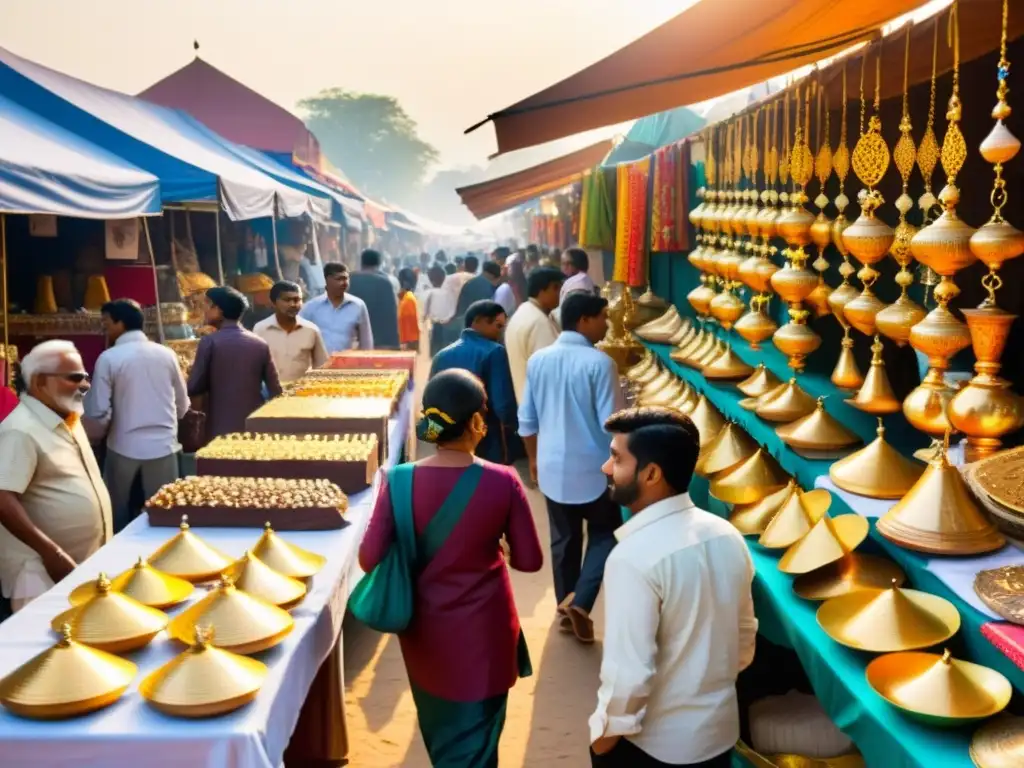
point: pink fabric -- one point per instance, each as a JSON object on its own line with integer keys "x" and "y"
{"x": 1008, "y": 638}
{"x": 131, "y": 282}
{"x": 461, "y": 644}
{"x": 8, "y": 401}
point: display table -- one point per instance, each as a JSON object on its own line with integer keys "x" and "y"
{"x": 884, "y": 735}
{"x": 130, "y": 733}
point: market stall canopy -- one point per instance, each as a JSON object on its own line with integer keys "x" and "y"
{"x": 706, "y": 51}
{"x": 649, "y": 133}
{"x": 45, "y": 169}
{"x": 190, "y": 167}
{"x": 235, "y": 111}
{"x": 490, "y": 197}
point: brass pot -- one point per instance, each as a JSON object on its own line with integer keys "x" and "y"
{"x": 796, "y": 341}
{"x": 821, "y": 231}
{"x": 945, "y": 244}
{"x": 939, "y": 336}
{"x": 839, "y": 298}
{"x": 839, "y": 226}
{"x": 896, "y": 320}
{"x": 869, "y": 238}
{"x": 925, "y": 407}
{"x": 726, "y": 308}
{"x": 861, "y": 311}
{"x": 793, "y": 284}
{"x": 997, "y": 242}
{"x": 754, "y": 327}
{"x": 768, "y": 222}
{"x": 795, "y": 226}
{"x": 700, "y": 298}
{"x": 763, "y": 272}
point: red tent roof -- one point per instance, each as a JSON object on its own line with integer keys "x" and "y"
{"x": 235, "y": 111}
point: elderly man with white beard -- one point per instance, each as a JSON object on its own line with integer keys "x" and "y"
{"x": 54, "y": 508}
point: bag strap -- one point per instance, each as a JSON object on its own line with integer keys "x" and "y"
{"x": 447, "y": 517}
{"x": 400, "y": 489}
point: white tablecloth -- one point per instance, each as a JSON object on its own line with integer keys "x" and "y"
{"x": 130, "y": 733}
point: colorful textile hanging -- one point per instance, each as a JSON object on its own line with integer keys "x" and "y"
{"x": 631, "y": 223}
{"x": 597, "y": 217}
{"x": 669, "y": 222}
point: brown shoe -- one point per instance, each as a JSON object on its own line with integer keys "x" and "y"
{"x": 582, "y": 625}
{"x": 564, "y": 622}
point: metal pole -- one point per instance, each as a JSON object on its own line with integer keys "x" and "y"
{"x": 156, "y": 283}
{"x": 8, "y": 363}
{"x": 277, "y": 257}
{"x": 220, "y": 261}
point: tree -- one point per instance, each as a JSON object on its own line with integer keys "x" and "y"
{"x": 372, "y": 139}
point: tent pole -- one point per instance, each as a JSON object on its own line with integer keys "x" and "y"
{"x": 277, "y": 257}
{"x": 156, "y": 283}
{"x": 8, "y": 363}
{"x": 220, "y": 260}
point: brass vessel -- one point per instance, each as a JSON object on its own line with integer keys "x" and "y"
{"x": 818, "y": 431}
{"x": 728, "y": 449}
{"x": 828, "y": 541}
{"x": 759, "y": 382}
{"x": 755, "y": 326}
{"x": 189, "y": 557}
{"x": 875, "y": 395}
{"x": 241, "y": 623}
{"x": 111, "y": 621}
{"x": 750, "y": 481}
{"x": 203, "y": 681}
{"x": 795, "y": 518}
{"x": 753, "y": 519}
{"x": 141, "y": 582}
{"x": 253, "y": 576}
{"x": 286, "y": 558}
{"x": 785, "y": 404}
{"x": 938, "y": 515}
{"x": 896, "y": 320}
{"x": 851, "y": 573}
{"x": 846, "y": 374}
{"x": 877, "y": 470}
{"x": 888, "y": 620}
{"x": 940, "y": 690}
{"x": 67, "y": 680}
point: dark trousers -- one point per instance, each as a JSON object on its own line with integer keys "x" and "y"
{"x": 627, "y": 755}
{"x": 573, "y": 572}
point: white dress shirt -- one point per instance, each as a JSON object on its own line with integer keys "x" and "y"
{"x": 138, "y": 392}
{"x": 505, "y": 296}
{"x": 294, "y": 352}
{"x": 529, "y": 329}
{"x": 679, "y": 628}
{"x": 438, "y": 305}
{"x": 453, "y": 284}
{"x": 579, "y": 282}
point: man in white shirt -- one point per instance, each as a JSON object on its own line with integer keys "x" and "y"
{"x": 296, "y": 344}
{"x": 575, "y": 266}
{"x": 531, "y": 328}
{"x": 138, "y": 396}
{"x": 438, "y": 308}
{"x": 679, "y": 614}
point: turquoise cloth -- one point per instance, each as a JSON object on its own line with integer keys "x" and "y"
{"x": 461, "y": 734}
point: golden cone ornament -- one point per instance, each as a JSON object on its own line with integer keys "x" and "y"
{"x": 189, "y": 557}
{"x": 727, "y": 367}
{"x": 729, "y": 448}
{"x": 875, "y": 395}
{"x": 143, "y": 583}
{"x": 252, "y": 575}
{"x": 877, "y": 470}
{"x": 831, "y": 539}
{"x": 759, "y": 382}
{"x": 707, "y": 419}
{"x": 795, "y": 518}
{"x": 286, "y": 558}
{"x": 818, "y": 431}
{"x": 753, "y": 519}
{"x": 785, "y": 404}
{"x": 851, "y": 573}
{"x": 750, "y": 481}
{"x": 111, "y": 621}
{"x": 846, "y": 374}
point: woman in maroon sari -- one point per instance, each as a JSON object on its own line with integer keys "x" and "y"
{"x": 464, "y": 648}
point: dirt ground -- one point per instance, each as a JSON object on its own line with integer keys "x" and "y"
{"x": 547, "y": 713}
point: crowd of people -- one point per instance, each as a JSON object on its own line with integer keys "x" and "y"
{"x": 515, "y": 375}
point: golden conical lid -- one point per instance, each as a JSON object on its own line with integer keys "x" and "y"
{"x": 999, "y": 744}
{"x": 760, "y": 382}
{"x": 819, "y": 431}
{"x": 707, "y": 420}
{"x": 667, "y": 394}
{"x": 846, "y": 374}
{"x": 875, "y": 395}
{"x": 715, "y": 351}
{"x": 111, "y": 621}
{"x": 252, "y": 575}
{"x": 787, "y": 403}
{"x": 668, "y": 322}
{"x": 142, "y": 582}
{"x": 686, "y": 349}
{"x": 939, "y": 689}
{"x": 662, "y": 379}
{"x": 648, "y": 375}
{"x": 727, "y": 367}
{"x": 189, "y": 557}
{"x": 286, "y": 558}
{"x": 887, "y": 620}
{"x": 204, "y": 680}
{"x": 241, "y": 623}
{"x": 795, "y": 518}
{"x": 751, "y": 481}
{"x": 66, "y": 680}
{"x": 940, "y": 516}
{"x": 729, "y": 447}
{"x": 851, "y": 573}
{"x": 828, "y": 541}
{"x": 877, "y": 470}
{"x": 708, "y": 346}
{"x": 683, "y": 335}
{"x": 752, "y": 519}
{"x": 646, "y": 361}
{"x": 687, "y": 401}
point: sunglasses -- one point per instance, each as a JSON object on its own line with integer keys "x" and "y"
{"x": 74, "y": 378}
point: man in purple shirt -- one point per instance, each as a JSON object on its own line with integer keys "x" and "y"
{"x": 231, "y": 367}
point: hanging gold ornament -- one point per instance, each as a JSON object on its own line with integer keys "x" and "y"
{"x": 944, "y": 246}
{"x": 986, "y": 409}
{"x": 896, "y": 320}
{"x": 821, "y": 229}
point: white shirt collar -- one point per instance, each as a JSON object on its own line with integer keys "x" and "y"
{"x": 131, "y": 337}
{"x": 652, "y": 514}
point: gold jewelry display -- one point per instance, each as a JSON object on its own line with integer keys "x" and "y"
{"x": 821, "y": 229}
{"x": 846, "y": 374}
{"x": 896, "y": 320}
{"x": 944, "y": 245}
{"x": 986, "y": 409}
{"x": 249, "y": 492}
{"x": 263, "y": 446}
{"x": 868, "y": 240}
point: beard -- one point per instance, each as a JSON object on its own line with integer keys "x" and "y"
{"x": 71, "y": 403}
{"x": 624, "y": 495}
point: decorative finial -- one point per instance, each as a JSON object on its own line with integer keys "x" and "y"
{"x": 184, "y": 523}
{"x": 947, "y": 657}
{"x": 195, "y": 46}
{"x": 65, "y": 634}
{"x": 103, "y": 583}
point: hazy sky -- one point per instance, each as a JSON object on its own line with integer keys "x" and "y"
{"x": 449, "y": 62}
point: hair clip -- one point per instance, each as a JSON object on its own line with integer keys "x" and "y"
{"x": 440, "y": 413}
{"x": 433, "y": 430}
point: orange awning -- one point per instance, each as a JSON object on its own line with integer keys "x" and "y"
{"x": 713, "y": 48}
{"x": 490, "y": 197}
